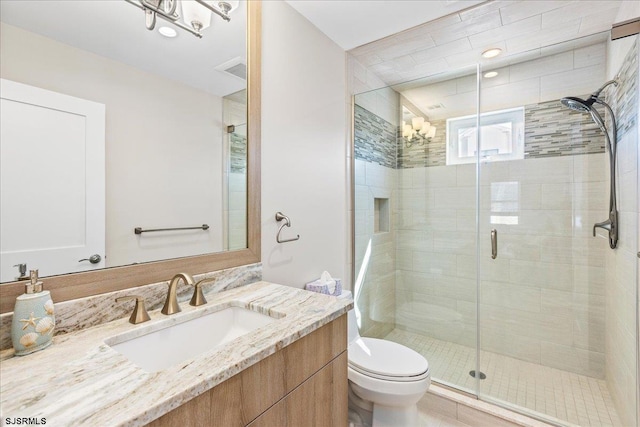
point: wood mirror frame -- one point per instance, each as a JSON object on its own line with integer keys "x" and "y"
{"x": 77, "y": 285}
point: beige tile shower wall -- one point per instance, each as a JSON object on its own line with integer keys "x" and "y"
{"x": 435, "y": 224}
{"x": 375, "y": 254}
{"x": 361, "y": 80}
{"x": 542, "y": 299}
{"x": 621, "y": 292}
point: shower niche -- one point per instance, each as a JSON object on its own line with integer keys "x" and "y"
{"x": 381, "y": 215}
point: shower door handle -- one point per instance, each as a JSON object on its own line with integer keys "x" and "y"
{"x": 494, "y": 243}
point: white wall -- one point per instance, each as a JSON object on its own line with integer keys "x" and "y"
{"x": 303, "y": 149}
{"x": 154, "y": 169}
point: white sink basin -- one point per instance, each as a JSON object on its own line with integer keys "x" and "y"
{"x": 180, "y": 342}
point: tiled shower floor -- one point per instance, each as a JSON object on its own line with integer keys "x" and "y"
{"x": 569, "y": 397}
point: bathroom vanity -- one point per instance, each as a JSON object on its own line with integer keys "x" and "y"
{"x": 291, "y": 371}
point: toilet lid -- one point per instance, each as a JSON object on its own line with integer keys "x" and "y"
{"x": 386, "y": 358}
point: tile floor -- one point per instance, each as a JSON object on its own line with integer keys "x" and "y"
{"x": 564, "y": 396}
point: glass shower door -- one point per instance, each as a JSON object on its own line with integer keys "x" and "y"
{"x": 555, "y": 300}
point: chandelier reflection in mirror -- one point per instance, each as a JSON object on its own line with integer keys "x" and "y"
{"x": 417, "y": 132}
{"x": 191, "y": 15}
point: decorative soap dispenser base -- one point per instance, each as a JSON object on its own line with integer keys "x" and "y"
{"x": 33, "y": 319}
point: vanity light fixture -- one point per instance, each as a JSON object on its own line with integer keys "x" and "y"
{"x": 491, "y": 53}
{"x": 418, "y": 132}
{"x": 490, "y": 74}
{"x": 196, "y": 14}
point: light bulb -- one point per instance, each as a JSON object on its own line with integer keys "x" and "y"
{"x": 195, "y": 15}
{"x": 432, "y": 132}
{"x": 417, "y": 122}
{"x": 406, "y": 131}
{"x": 425, "y": 128}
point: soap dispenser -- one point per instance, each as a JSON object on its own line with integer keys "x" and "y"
{"x": 33, "y": 318}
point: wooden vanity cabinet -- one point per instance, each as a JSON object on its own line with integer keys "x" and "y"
{"x": 304, "y": 384}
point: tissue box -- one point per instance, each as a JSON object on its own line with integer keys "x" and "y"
{"x": 322, "y": 288}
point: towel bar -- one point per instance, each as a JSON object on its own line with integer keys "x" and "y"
{"x": 139, "y": 230}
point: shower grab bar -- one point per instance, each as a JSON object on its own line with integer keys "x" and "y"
{"x": 139, "y": 230}
{"x": 287, "y": 222}
{"x": 494, "y": 244}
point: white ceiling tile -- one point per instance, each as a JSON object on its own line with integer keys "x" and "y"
{"x": 484, "y": 8}
{"x": 449, "y": 34}
{"x": 404, "y": 62}
{"x": 598, "y": 22}
{"x": 441, "y": 51}
{"x": 405, "y": 47}
{"x": 545, "y": 37}
{"x": 469, "y": 27}
{"x": 522, "y": 28}
{"x": 539, "y": 67}
{"x": 436, "y": 90}
{"x": 525, "y": 9}
{"x": 574, "y": 44}
{"x": 420, "y": 71}
{"x": 437, "y": 24}
{"x": 456, "y": 41}
{"x": 369, "y": 60}
{"x": 579, "y": 9}
{"x": 590, "y": 55}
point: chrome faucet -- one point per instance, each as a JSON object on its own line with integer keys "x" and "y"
{"x": 171, "y": 305}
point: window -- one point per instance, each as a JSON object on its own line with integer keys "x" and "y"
{"x": 501, "y": 136}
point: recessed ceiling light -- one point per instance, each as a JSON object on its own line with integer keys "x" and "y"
{"x": 491, "y": 53}
{"x": 490, "y": 74}
{"x": 168, "y": 32}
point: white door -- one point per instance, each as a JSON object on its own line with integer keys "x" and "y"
{"x": 52, "y": 181}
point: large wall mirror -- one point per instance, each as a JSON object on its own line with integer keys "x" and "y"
{"x": 129, "y": 143}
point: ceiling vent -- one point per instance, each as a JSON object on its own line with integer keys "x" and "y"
{"x": 435, "y": 107}
{"x": 236, "y": 67}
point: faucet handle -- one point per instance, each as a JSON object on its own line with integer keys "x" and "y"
{"x": 198, "y": 297}
{"x": 139, "y": 314}
{"x": 607, "y": 225}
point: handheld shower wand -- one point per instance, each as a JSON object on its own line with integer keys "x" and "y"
{"x": 586, "y": 106}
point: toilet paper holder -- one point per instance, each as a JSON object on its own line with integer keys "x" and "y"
{"x": 287, "y": 222}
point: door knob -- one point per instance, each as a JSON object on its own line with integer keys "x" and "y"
{"x": 93, "y": 259}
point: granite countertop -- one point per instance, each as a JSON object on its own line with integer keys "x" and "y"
{"x": 80, "y": 380}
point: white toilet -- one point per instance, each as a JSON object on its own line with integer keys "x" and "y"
{"x": 386, "y": 380}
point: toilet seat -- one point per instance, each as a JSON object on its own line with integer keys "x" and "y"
{"x": 387, "y": 360}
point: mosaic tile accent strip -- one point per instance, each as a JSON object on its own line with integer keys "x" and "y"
{"x": 551, "y": 129}
{"x": 238, "y": 153}
{"x": 375, "y": 138}
{"x": 432, "y": 153}
{"x": 625, "y": 99}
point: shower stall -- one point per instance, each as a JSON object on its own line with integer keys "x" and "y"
{"x": 476, "y": 201}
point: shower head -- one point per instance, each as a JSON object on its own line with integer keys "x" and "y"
{"x": 578, "y": 104}
{"x": 585, "y": 106}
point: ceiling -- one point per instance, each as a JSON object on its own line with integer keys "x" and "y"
{"x": 116, "y": 30}
{"x": 522, "y": 29}
{"x": 352, "y": 23}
